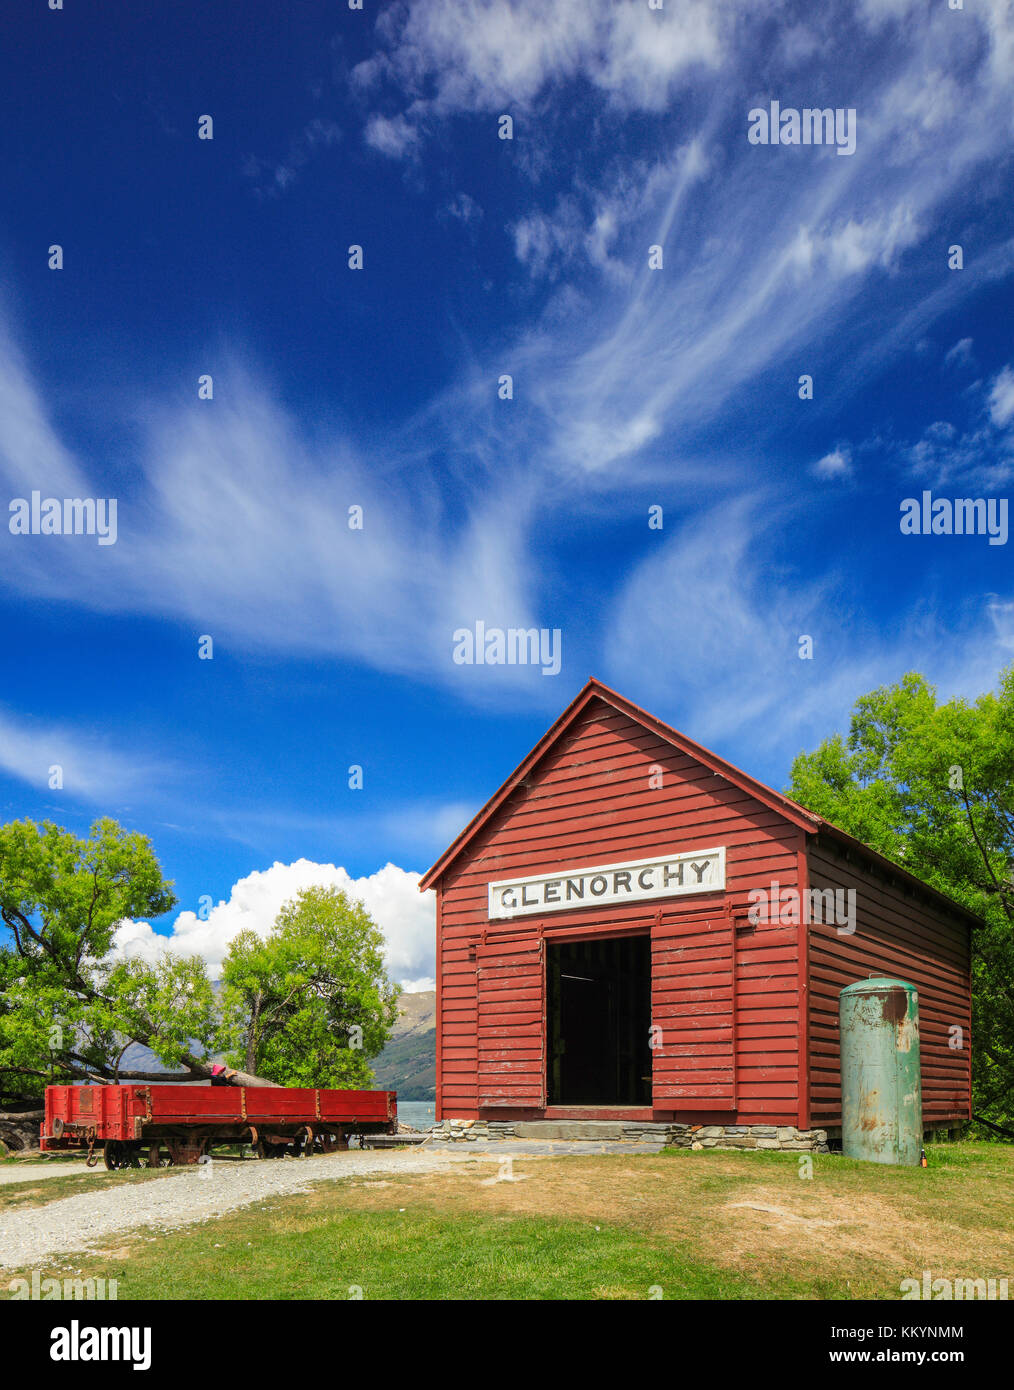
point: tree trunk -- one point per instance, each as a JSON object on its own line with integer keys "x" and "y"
{"x": 234, "y": 1078}
{"x": 197, "y": 1071}
{"x": 19, "y": 1130}
{"x": 181, "y": 1078}
{"x": 251, "y": 1041}
{"x": 246, "y": 1078}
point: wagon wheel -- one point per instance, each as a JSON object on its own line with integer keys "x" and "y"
{"x": 265, "y": 1150}
{"x": 116, "y": 1154}
{"x": 159, "y": 1157}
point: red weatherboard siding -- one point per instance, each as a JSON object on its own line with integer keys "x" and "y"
{"x": 749, "y": 1013}
{"x": 899, "y": 932}
{"x": 588, "y": 801}
{"x": 511, "y": 1026}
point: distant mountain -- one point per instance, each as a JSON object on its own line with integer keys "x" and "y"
{"x": 418, "y": 1013}
{"x": 408, "y": 1064}
{"x": 140, "y": 1058}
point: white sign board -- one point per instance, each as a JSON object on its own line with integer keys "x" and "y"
{"x": 636, "y": 880}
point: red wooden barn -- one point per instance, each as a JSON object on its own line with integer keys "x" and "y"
{"x": 633, "y": 929}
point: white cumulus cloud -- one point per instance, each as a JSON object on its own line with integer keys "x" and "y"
{"x": 392, "y": 136}
{"x": 836, "y": 464}
{"x": 391, "y": 896}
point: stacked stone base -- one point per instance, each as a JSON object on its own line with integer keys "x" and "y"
{"x": 749, "y": 1137}
{"x": 629, "y": 1131}
{"x": 465, "y": 1130}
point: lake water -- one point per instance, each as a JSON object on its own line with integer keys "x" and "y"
{"x": 420, "y": 1114}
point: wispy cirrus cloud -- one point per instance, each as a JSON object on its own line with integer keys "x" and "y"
{"x": 979, "y": 455}
{"x": 712, "y": 626}
{"x": 271, "y": 177}
{"x": 960, "y": 355}
{"x": 453, "y": 57}
{"x": 71, "y": 761}
{"x": 801, "y": 238}
{"x": 239, "y": 525}
{"x": 626, "y": 377}
{"x": 1001, "y": 398}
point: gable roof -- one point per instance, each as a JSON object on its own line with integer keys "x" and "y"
{"x": 808, "y": 821}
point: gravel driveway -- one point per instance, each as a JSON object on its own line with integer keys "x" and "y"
{"x": 35, "y": 1172}
{"x": 30, "y": 1236}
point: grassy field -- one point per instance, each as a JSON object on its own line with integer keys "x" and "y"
{"x": 36, "y": 1192}
{"x": 677, "y": 1225}
{"x": 35, "y": 1187}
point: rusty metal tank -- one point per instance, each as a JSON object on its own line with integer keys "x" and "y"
{"x": 881, "y": 1083}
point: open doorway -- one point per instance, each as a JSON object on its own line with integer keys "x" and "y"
{"x": 598, "y": 1021}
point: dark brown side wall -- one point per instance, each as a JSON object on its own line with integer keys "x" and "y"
{"x": 899, "y": 932}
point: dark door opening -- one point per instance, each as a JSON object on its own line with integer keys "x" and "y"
{"x": 598, "y": 1021}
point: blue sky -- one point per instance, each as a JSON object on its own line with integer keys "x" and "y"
{"x": 633, "y": 387}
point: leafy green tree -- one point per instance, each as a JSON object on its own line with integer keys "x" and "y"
{"x": 929, "y": 785}
{"x": 311, "y": 1004}
{"x": 307, "y": 1007}
{"x": 68, "y": 1011}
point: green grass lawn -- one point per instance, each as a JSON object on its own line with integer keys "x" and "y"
{"x": 292, "y": 1250}
{"x": 679, "y": 1225}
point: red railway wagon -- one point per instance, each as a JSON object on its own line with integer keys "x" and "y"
{"x": 178, "y": 1124}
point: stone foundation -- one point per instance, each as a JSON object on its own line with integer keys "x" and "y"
{"x": 464, "y": 1130}
{"x": 786, "y": 1137}
{"x": 678, "y": 1136}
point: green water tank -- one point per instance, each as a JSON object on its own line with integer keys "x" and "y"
{"x": 881, "y": 1086}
